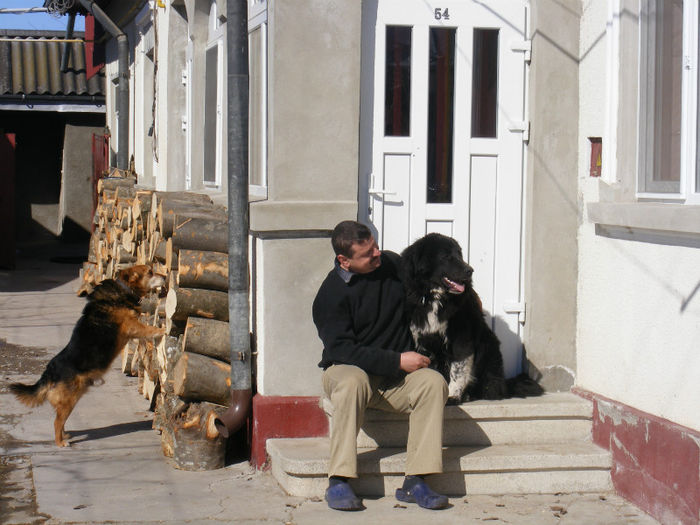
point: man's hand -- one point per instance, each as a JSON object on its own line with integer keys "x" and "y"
{"x": 412, "y": 361}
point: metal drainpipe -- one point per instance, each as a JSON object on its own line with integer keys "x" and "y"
{"x": 238, "y": 219}
{"x": 67, "y": 46}
{"x": 123, "y": 89}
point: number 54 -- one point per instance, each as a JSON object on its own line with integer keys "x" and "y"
{"x": 442, "y": 13}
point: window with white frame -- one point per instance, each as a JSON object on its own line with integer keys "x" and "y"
{"x": 669, "y": 113}
{"x": 257, "y": 63}
{"x": 214, "y": 92}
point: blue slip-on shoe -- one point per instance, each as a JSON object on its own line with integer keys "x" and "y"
{"x": 416, "y": 490}
{"x": 340, "y": 496}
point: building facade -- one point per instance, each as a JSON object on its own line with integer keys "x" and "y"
{"x": 557, "y": 141}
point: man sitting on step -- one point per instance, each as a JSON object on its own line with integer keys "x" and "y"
{"x": 368, "y": 362}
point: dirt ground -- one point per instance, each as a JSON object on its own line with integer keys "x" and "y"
{"x": 17, "y": 495}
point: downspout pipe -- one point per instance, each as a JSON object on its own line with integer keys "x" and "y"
{"x": 123, "y": 87}
{"x": 238, "y": 218}
{"x": 67, "y": 47}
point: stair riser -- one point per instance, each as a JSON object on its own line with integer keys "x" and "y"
{"x": 460, "y": 484}
{"x": 473, "y": 433}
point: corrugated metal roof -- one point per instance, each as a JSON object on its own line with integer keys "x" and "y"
{"x": 30, "y": 64}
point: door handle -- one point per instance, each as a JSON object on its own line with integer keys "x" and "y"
{"x": 375, "y": 191}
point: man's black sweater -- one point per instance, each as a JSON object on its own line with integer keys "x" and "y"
{"x": 362, "y": 322}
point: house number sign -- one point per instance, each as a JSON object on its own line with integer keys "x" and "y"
{"x": 442, "y": 13}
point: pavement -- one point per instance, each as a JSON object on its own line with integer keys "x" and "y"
{"x": 114, "y": 471}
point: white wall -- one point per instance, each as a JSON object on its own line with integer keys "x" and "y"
{"x": 638, "y": 290}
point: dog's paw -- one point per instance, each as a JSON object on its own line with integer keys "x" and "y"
{"x": 453, "y": 400}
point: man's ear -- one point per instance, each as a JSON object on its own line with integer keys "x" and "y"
{"x": 343, "y": 261}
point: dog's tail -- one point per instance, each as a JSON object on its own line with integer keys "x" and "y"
{"x": 523, "y": 385}
{"x": 31, "y": 395}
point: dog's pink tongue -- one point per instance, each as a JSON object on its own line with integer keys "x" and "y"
{"x": 454, "y": 287}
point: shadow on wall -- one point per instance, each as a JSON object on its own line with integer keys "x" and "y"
{"x": 554, "y": 379}
{"x": 656, "y": 238}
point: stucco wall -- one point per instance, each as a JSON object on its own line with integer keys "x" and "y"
{"x": 551, "y": 200}
{"x": 289, "y": 272}
{"x": 638, "y": 289}
{"x": 639, "y": 320}
{"x": 314, "y": 97}
{"x": 312, "y": 159}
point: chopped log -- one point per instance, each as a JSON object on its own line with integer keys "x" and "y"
{"x": 109, "y": 269}
{"x": 88, "y": 274}
{"x": 141, "y": 375}
{"x": 167, "y": 441}
{"x": 142, "y": 203}
{"x": 168, "y": 408}
{"x": 198, "y": 269}
{"x": 128, "y": 355}
{"x": 149, "y": 359}
{"x": 106, "y": 210}
{"x": 167, "y": 211}
{"x": 149, "y": 304}
{"x": 182, "y": 303}
{"x": 207, "y": 337}
{"x": 170, "y": 259}
{"x": 141, "y": 251}
{"x": 201, "y": 378}
{"x": 168, "y": 353}
{"x": 92, "y": 247}
{"x": 109, "y": 197}
{"x": 150, "y": 389}
{"x": 127, "y": 240}
{"x": 112, "y": 183}
{"x": 197, "y": 444}
{"x": 177, "y": 196}
{"x": 125, "y": 192}
{"x": 200, "y": 234}
{"x": 124, "y": 257}
{"x": 153, "y": 396}
{"x": 156, "y": 247}
{"x": 159, "y": 251}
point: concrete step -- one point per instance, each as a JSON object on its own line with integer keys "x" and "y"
{"x": 553, "y": 418}
{"x": 301, "y": 466}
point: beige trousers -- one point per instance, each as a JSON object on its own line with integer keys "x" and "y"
{"x": 421, "y": 394}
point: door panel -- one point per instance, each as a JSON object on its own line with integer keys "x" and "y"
{"x": 482, "y": 214}
{"x": 397, "y": 175}
{"x": 441, "y": 146}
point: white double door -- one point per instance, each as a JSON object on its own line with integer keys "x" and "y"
{"x": 442, "y": 138}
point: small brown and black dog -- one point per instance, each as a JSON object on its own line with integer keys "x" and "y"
{"x": 109, "y": 320}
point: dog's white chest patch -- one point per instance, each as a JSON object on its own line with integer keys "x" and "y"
{"x": 432, "y": 323}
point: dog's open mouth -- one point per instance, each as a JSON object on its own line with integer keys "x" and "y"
{"x": 453, "y": 287}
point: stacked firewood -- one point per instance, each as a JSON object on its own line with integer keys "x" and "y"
{"x": 186, "y": 373}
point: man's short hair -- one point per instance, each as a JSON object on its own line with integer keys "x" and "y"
{"x": 347, "y": 233}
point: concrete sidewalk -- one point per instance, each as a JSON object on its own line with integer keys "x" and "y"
{"x": 114, "y": 472}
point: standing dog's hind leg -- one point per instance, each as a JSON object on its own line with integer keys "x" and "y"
{"x": 64, "y": 406}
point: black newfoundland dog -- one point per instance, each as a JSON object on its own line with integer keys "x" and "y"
{"x": 447, "y": 323}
